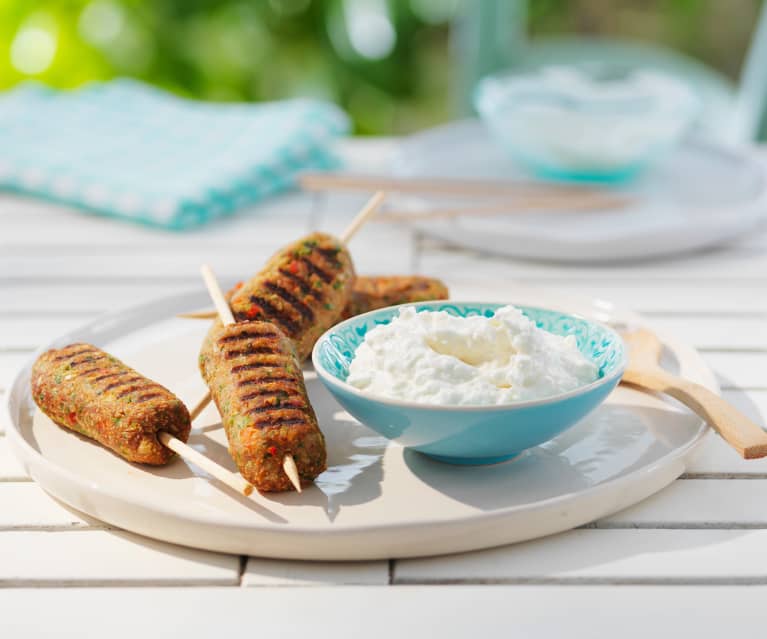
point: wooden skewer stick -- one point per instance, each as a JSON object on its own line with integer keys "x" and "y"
{"x": 200, "y": 315}
{"x": 233, "y": 480}
{"x": 363, "y": 216}
{"x": 523, "y": 205}
{"x": 291, "y": 470}
{"x": 219, "y": 301}
{"x": 225, "y": 314}
{"x": 195, "y": 412}
{"x": 438, "y": 186}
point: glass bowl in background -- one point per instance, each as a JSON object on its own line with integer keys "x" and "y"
{"x": 586, "y": 123}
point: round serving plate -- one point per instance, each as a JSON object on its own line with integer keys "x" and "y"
{"x": 698, "y": 196}
{"x": 376, "y": 500}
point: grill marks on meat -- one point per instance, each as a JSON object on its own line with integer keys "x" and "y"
{"x": 250, "y": 354}
{"x": 282, "y": 422}
{"x": 273, "y": 393}
{"x": 73, "y": 353}
{"x": 114, "y": 373}
{"x": 246, "y": 335}
{"x": 147, "y": 397}
{"x": 306, "y": 289}
{"x": 87, "y": 390}
{"x": 314, "y": 269}
{"x": 252, "y": 366}
{"x": 302, "y": 290}
{"x": 330, "y": 255}
{"x": 253, "y": 381}
{"x": 84, "y": 360}
{"x": 257, "y": 384}
{"x": 118, "y": 384}
{"x": 289, "y": 324}
{"x": 303, "y": 310}
{"x": 109, "y": 376}
{"x": 260, "y": 350}
{"x": 251, "y": 350}
{"x": 140, "y": 387}
{"x": 133, "y": 388}
{"x": 269, "y": 408}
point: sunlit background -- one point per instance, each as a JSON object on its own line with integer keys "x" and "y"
{"x": 392, "y": 64}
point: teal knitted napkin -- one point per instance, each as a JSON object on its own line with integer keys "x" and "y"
{"x": 130, "y": 151}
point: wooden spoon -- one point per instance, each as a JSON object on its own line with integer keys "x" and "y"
{"x": 644, "y": 371}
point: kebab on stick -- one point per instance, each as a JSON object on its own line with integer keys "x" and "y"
{"x": 370, "y": 293}
{"x": 256, "y": 382}
{"x": 302, "y": 290}
{"x": 84, "y": 389}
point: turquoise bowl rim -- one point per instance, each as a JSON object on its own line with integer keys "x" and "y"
{"x": 328, "y": 378}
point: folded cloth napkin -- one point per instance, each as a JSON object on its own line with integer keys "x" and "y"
{"x": 127, "y": 150}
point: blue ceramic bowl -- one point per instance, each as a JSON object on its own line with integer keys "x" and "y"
{"x": 470, "y": 434}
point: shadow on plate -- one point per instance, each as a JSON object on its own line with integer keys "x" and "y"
{"x": 181, "y": 469}
{"x": 355, "y": 453}
{"x": 615, "y": 440}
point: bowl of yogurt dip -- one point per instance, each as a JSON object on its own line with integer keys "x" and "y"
{"x": 469, "y": 382}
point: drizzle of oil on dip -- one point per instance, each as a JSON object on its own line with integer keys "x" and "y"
{"x": 433, "y": 357}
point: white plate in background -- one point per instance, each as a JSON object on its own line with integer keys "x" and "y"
{"x": 699, "y": 196}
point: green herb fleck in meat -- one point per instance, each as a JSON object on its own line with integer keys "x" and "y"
{"x": 239, "y": 422}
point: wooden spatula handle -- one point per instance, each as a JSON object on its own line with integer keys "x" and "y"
{"x": 734, "y": 427}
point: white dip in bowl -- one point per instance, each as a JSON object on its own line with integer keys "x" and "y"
{"x": 437, "y": 358}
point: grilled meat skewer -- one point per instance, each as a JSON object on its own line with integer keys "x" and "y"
{"x": 85, "y": 389}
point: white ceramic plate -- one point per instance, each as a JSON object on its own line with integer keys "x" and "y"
{"x": 701, "y": 195}
{"x": 376, "y": 500}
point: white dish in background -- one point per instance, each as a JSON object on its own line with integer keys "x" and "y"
{"x": 700, "y": 195}
{"x": 586, "y": 121}
{"x": 376, "y": 500}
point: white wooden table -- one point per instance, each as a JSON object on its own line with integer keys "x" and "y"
{"x": 692, "y": 559}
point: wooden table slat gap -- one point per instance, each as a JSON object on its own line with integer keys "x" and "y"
{"x": 585, "y": 581}
{"x": 57, "y": 528}
{"x": 672, "y": 525}
{"x": 116, "y": 583}
{"x": 738, "y": 475}
{"x": 21, "y": 314}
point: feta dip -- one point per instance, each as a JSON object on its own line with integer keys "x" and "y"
{"x": 438, "y": 358}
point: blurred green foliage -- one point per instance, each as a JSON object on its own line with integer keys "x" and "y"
{"x": 240, "y": 50}
{"x": 386, "y": 62}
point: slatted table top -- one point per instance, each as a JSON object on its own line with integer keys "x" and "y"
{"x": 692, "y": 558}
